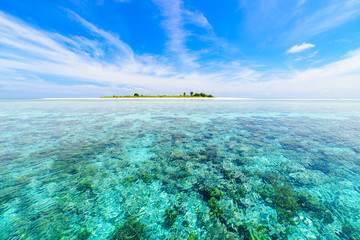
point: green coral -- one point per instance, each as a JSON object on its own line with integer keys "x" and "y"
{"x": 217, "y": 193}
{"x": 170, "y": 216}
{"x": 85, "y": 234}
{"x": 145, "y": 176}
{"x": 214, "y": 207}
{"x": 286, "y": 201}
{"x": 237, "y": 193}
{"x": 128, "y": 180}
{"x": 242, "y": 191}
{"x": 130, "y": 229}
{"x": 259, "y": 233}
{"x": 327, "y": 218}
{"x": 254, "y": 232}
{"x": 266, "y": 191}
{"x": 211, "y": 192}
{"x": 314, "y": 207}
{"x": 348, "y": 231}
{"x": 192, "y": 236}
{"x": 84, "y": 185}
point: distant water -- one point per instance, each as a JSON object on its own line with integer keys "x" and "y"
{"x": 179, "y": 169}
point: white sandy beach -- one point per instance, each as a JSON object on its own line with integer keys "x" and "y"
{"x": 198, "y": 98}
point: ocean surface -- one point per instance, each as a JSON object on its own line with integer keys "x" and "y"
{"x": 179, "y": 169}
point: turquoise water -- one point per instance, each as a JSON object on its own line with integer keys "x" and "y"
{"x": 179, "y": 169}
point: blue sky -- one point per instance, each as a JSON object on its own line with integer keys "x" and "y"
{"x": 234, "y": 48}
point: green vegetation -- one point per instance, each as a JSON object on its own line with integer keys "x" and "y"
{"x": 184, "y": 95}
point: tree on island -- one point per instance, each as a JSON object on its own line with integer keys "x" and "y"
{"x": 136, "y": 95}
{"x": 191, "y": 94}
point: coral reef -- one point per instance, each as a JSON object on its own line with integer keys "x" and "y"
{"x": 211, "y": 171}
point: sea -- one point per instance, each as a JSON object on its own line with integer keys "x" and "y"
{"x": 179, "y": 169}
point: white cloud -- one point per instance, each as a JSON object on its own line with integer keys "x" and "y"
{"x": 301, "y": 2}
{"x": 300, "y": 48}
{"x": 31, "y": 57}
{"x": 175, "y": 17}
{"x": 27, "y": 50}
{"x": 113, "y": 40}
{"x": 334, "y": 14}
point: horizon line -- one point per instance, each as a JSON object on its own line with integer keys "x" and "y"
{"x": 195, "y": 98}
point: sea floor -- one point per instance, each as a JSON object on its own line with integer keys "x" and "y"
{"x": 172, "y": 169}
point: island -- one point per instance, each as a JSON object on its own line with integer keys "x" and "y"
{"x": 184, "y": 95}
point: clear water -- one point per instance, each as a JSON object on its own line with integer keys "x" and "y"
{"x": 179, "y": 169}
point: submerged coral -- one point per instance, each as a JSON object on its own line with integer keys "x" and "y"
{"x": 132, "y": 228}
{"x": 212, "y": 171}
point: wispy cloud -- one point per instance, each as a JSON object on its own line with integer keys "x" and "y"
{"x": 308, "y": 56}
{"x": 125, "y": 50}
{"x": 301, "y": 2}
{"x": 300, "y": 48}
{"x": 334, "y": 14}
{"x": 175, "y": 17}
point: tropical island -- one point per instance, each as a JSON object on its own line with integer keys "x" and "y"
{"x": 184, "y": 95}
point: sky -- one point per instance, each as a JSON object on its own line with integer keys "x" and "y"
{"x": 234, "y": 48}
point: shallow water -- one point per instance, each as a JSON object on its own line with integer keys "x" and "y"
{"x": 179, "y": 169}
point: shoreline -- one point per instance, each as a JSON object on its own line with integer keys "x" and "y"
{"x": 152, "y": 98}
{"x": 200, "y": 98}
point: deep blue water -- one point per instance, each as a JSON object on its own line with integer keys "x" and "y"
{"x": 179, "y": 169}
